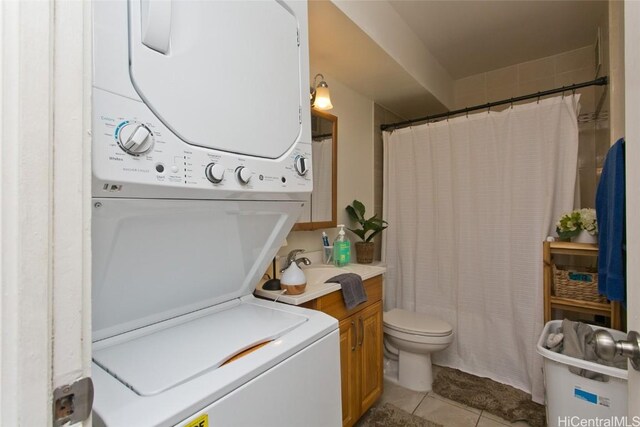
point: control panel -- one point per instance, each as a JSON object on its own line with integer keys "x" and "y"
{"x": 134, "y": 148}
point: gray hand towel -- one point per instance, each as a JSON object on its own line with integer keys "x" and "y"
{"x": 353, "y": 291}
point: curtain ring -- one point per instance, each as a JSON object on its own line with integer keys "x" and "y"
{"x": 538, "y": 101}
{"x": 573, "y": 92}
{"x": 562, "y": 94}
{"x": 467, "y": 114}
{"x": 511, "y": 103}
{"x": 488, "y": 109}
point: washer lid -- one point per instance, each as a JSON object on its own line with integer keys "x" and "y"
{"x": 157, "y": 361}
{"x": 154, "y": 260}
{"x": 416, "y": 323}
{"x": 220, "y": 74}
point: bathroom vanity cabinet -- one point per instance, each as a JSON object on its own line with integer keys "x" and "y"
{"x": 360, "y": 348}
{"x": 551, "y": 301}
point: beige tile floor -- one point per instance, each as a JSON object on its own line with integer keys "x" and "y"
{"x": 439, "y": 409}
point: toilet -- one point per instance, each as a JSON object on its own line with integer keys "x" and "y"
{"x": 413, "y": 337}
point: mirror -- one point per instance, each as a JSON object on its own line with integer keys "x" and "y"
{"x": 320, "y": 211}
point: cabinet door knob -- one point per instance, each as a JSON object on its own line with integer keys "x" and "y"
{"x": 355, "y": 339}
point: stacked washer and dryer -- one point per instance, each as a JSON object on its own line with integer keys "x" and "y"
{"x": 201, "y": 149}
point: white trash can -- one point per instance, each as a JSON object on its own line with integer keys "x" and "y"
{"x": 570, "y": 397}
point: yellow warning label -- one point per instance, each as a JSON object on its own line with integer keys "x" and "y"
{"x": 201, "y": 421}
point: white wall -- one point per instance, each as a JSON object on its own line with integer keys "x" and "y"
{"x": 355, "y": 160}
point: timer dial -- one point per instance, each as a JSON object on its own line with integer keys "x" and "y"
{"x": 135, "y": 139}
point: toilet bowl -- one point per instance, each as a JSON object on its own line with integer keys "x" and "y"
{"x": 414, "y": 336}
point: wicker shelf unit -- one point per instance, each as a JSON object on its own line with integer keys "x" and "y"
{"x": 609, "y": 309}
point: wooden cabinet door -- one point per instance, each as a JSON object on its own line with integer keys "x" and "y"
{"x": 370, "y": 357}
{"x": 348, "y": 371}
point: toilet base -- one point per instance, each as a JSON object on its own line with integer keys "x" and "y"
{"x": 414, "y": 371}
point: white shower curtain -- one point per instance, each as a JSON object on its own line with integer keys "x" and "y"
{"x": 469, "y": 202}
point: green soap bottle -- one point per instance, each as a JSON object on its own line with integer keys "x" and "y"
{"x": 341, "y": 249}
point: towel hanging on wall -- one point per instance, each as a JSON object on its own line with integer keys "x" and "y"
{"x": 610, "y": 211}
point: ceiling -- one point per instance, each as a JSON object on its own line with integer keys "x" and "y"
{"x": 465, "y": 37}
{"x": 338, "y": 48}
{"x": 471, "y": 37}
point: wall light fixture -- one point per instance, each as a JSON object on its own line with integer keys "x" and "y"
{"x": 320, "y": 99}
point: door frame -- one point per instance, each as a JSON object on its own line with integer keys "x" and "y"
{"x": 45, "y": 196}
{"x": 632, "y": 160}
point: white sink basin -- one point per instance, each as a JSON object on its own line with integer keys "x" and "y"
{"x": 320, "y": 274}
{"x": 317, "y": 274}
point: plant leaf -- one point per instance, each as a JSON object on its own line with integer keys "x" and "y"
{"x": 352, "y": 213}
{"x": 373, "y": 225}
{"x": 359, "y": 207}
{"x": 360, "y": 233}
{"x": 374, "y": 234}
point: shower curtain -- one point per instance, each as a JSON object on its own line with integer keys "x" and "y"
{"x": 469, "y": 202}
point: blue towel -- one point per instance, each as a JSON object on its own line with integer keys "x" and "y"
{"x": 610, "y": 212}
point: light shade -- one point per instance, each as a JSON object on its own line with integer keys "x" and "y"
{"x": 320, "y": 98}
{"x": 323, "y": 99}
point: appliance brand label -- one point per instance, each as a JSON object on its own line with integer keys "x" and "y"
{"x": 201, "y": 421}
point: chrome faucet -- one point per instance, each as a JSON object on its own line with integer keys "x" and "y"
{"x": 291, "y": 258}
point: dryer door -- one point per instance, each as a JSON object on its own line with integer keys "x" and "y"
{"x": 220, "y": 74}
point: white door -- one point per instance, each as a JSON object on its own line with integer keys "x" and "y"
{"x": 632, "y": 112}
{"x": 45, "y": 196}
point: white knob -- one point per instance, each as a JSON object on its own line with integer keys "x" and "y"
{"x": 214, "y": 172}
{"x": 135, "y": 139}
{"x": 243, "y": 174}
{"x": 301, "y": 165}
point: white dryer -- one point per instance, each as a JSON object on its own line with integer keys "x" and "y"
{"x": 201, "y": 165}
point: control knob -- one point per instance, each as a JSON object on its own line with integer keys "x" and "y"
{"x": 135, "y": 139}
{"x": 301, "y": 165}
{"x": 214, "y": 172}
{"x": 243, "y": 174}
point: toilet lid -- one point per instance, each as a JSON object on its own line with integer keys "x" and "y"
{"x": 416, "y": 323}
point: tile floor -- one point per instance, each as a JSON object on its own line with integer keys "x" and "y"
{"x": 439, "y": 409}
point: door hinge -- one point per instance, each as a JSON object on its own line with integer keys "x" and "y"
{"x": 72, "y": 403}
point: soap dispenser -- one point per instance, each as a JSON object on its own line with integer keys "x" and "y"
{"x": 293, "y": 280}
{"x": 341, "y": 249}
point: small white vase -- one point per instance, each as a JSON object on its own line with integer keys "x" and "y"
{"x": 585, "y": 237}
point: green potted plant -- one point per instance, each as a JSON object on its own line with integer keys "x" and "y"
{"x": 579, "y": 225}
{"x": 369, "y": 228}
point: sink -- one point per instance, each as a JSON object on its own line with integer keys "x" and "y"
{"x": 320, "y": 273}
{"x": 314, "y": 266}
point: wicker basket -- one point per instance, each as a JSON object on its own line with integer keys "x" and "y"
{"x": 578, "y": 285}
{"x": 364, "y": 252}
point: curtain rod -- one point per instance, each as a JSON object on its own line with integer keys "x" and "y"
{"x": 597, "y": 82}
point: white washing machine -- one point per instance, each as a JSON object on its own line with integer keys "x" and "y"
{"x": 201, "y": 165}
